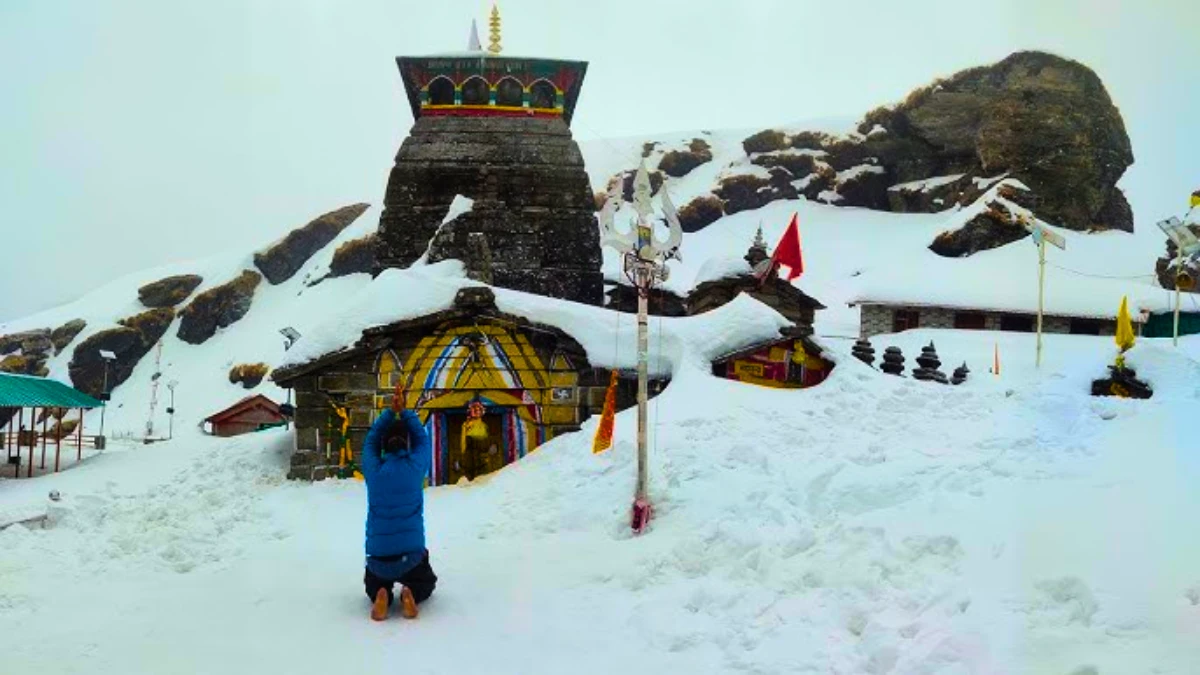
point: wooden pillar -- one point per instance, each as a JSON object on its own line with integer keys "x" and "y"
{"x": 32, "y": 430}
{"x": 79, "y": 437}
{"x": 20, "y": 421}
{"x": 45, "y": 418}
{"x": 58, "y": 440}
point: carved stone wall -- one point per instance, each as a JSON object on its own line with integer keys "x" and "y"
{"x": 532, "y": 198}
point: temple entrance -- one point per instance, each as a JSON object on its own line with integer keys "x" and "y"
{"x": 473, "y": 457}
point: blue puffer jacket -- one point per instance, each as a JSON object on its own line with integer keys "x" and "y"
{"x": 395, "y": 487}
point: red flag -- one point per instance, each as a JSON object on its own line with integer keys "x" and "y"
{"x": 787, "y": 251}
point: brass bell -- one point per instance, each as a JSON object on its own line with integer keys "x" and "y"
{"x": 1185, "y": 281}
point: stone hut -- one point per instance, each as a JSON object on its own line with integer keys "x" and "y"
{"x": 495, "y": 129}
{"x": 794, "y": 361}
{"x": 730, "y": 278}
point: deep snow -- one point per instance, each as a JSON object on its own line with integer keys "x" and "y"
{"x": 869, "y": 525}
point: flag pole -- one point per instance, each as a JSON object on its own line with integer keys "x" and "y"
{"x": 1041, "y": 296}
{"x": 1178, "y": 270}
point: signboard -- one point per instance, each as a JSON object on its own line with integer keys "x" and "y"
{"x": 1041, "y": 233}
{"x": 1181, "y": 234}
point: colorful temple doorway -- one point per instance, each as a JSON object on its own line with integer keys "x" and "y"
{"x": 487, "y": 369}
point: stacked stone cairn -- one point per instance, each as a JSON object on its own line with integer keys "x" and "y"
{"x": 960, "y": 374}
{"x": 928, "y": 364}
{"x": 863, "y": 351}
{"x": 893, "y": 361}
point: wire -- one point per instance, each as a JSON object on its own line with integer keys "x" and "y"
{"x": 1100, "y": 276}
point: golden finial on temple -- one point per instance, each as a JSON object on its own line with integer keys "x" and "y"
{"x": 494, "y": 33}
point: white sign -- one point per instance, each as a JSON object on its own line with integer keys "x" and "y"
{"x": 1181, "y": 234}
{"x": 1040, "y": 232}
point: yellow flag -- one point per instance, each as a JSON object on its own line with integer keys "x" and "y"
{"x": 604, "y": 432}
{"x": 1124, "y": 337}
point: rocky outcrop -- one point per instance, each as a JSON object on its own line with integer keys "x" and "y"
{"x": 768, "y": 140}
{"x": 66, "y": 333}
{"x": 867, "y": 189}
{"x": 1040, "y": 118}
{"x": 745, "y": 191}
{"x": 679, "y": 163}
{"x": 356, "y": 256}
{"x": 35, "y": 340}
{"x": 937, "y": 194}
{"x": 249, "y": 375}
{"x": 282, "y": 260}
{"x": 217, "y": 307}
{"x": 993, "y": 228}
{"x": 134, "y": 337}
{"x": 21, "y": 364}
{"x": 35, "y": 349}
{"x": 700, "y": 213}
{"x": 170, "y": 291}
{"x": 532, "y": 200}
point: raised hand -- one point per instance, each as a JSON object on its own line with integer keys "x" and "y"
{"x": 398, "y": 398}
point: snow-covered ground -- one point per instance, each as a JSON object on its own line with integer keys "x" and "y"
{"x": 872, "y": 524}
{"x": 868, "y": 525}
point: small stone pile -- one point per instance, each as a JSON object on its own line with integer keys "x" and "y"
{"x": 928, "y": 364}
{"x": 863, "y": 351}
{"x": 893, "y": 361}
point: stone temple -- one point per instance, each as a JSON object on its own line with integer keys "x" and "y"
{"x": 495, "y": 129}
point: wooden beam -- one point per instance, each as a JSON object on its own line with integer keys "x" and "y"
{"x": 45, "y": 418}
{"x": 58, "y": 440}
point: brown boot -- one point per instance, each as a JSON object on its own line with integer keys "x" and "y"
{"x": 379, "y": 608}
{"x": 408, "y": 604}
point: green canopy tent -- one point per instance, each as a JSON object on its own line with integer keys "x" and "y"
{"x": 19, "y": 393}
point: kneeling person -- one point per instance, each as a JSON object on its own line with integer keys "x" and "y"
{"x": 395, "y": 460}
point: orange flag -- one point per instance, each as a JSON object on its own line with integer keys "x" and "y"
{"x": 604, "y": 432}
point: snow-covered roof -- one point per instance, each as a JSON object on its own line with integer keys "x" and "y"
{"x": 608, "y": 337}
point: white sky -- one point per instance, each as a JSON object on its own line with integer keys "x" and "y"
{"x": 135, "y": 133}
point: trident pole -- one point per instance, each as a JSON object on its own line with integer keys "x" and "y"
{"x": 1178, "y": 270}
{"x": 644, "y": 256}
{"x": 645, "y": 278}
{"x": 1041, "y": 296}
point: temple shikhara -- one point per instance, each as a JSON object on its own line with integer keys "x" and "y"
{"x": 490, "y": 175}
{"x": 495, "y": 129}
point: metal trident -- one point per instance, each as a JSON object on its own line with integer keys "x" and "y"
{"x": 640, "y": 241}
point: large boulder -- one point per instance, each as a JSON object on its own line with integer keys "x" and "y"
{"x": 170, "y": 291}
{"x": 994, "y": 227}
{"x": 767, "y": 140}
{"x": 217, "y": 307}
{"x": 743, "y": 192}
{"x": 21, "y": 364}
{"x": 700, "y": 213}
{"x": 134, "y": 337}
{"x": 35, "y": 340}
{"x": 282, "y": 260}
{"x": 1040, "y": 118}
{"x": 679, "y": 163}
{"x": 249, "y": 375}
{"x": 356, "y": 256}
{"x": 66, "y": 333}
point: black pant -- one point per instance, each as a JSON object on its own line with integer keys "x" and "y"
{"x": 420, "y": 580}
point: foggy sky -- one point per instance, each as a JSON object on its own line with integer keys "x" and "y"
{"x": 134, "y": 134}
